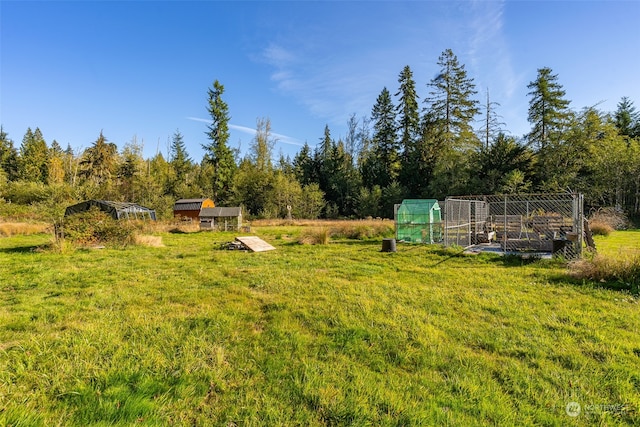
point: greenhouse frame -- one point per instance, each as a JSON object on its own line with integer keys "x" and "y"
{"x": 418, "y": 221}
{"x": 117, "y": 210}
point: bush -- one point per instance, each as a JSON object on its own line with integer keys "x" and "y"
{"x": 26, "y": 192}
{"x": 95, "y": 227}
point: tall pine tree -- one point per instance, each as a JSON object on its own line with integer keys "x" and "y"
{"x": 382, "y": 165}
{"x": 407, "y": 110}
{"x": 8, "y": 157}
{"x": 627, "y": 119}
{"x": 548, "y": 110}
{"x": 34, "y": 157}
{"x": 99, "y": 162}
{"x": 451, "y": 101}
{"x": 178, "y": 156}
{"x": 550, "y": 118}
{"x": 217, "y": 152}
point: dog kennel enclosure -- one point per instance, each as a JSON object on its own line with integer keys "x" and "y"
{"x": 528, "y": 223}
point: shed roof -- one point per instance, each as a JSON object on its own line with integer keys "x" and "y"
{"x": 218, "y": 212}
{"x": 189, "y": 204}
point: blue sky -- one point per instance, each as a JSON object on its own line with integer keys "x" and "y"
{"x": 142, "y": 68}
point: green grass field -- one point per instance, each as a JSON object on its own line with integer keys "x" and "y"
{"x": 337, "y": 334}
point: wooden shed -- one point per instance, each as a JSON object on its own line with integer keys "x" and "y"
{"x": 190, "y": 208}
{"x": 220, "y": 218}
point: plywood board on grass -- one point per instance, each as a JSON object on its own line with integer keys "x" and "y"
{"x": 255, "y": 244}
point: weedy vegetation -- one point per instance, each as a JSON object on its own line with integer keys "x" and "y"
{"x": 185, "y": 333}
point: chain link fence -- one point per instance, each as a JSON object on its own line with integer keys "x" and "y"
{"x": 528, "y": 223}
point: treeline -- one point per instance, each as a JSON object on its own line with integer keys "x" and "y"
{"x": 450, "y": 143}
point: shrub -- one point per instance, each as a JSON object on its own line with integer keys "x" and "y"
{"x": 26, "y": 192}
{"x": 95, "y": 227}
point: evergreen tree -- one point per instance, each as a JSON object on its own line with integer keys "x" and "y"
{"x": 323, "y": 162}
{"x": 99, "y": 163}
{"x": 8, "y": 157}
{"x": 551, "y": 118}
{"x": 344, "y": 182}
{"x": 130, "y": 172}
{"x": 407, "y": 110}
{"x": 217, "y": 152}
{"x": 503, "y": 167}
{"x": 34, "y": 157}
{"x": 409, "y": 128}
{"x": 627, "y": 119}
{"x": 304, "y": 166}
{"x": 285, "y": 165}
{"x": 451, "y": 101}
{"x": 548, "y": 110}
{"x": 178, "y": 157}
{"x": 419, "y": 161}
{"x": 382, "y": 164}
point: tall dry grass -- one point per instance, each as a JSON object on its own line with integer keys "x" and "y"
{"x": 600, "y": 228}
{"x": 8, "y": 229}
{"x": 609, "y": 218}
{"x": 623, "y": 269}
{"x": 147, "y": 240}
{"x": 314, "y": 236}
{"x": 170, "y": 226}
{"x": 320, "y": 232}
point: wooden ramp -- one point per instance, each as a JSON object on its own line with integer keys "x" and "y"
{"x": 255, "y": 244}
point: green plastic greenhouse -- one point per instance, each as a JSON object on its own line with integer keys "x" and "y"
{"x": 418, "y": 221}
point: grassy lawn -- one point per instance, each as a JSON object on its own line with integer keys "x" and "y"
{"x": 337, "y": 334}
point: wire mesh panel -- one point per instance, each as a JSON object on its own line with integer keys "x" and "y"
{"x": 548, "y": 223}
{"x": 457, "y": 223}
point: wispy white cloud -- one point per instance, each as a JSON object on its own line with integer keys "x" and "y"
{"x": 278, "y": 137}
{"x": 333, "y": 76}
{"x": 489, "y": 50}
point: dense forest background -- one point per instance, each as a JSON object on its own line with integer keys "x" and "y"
{"x": 452, "y": 142}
